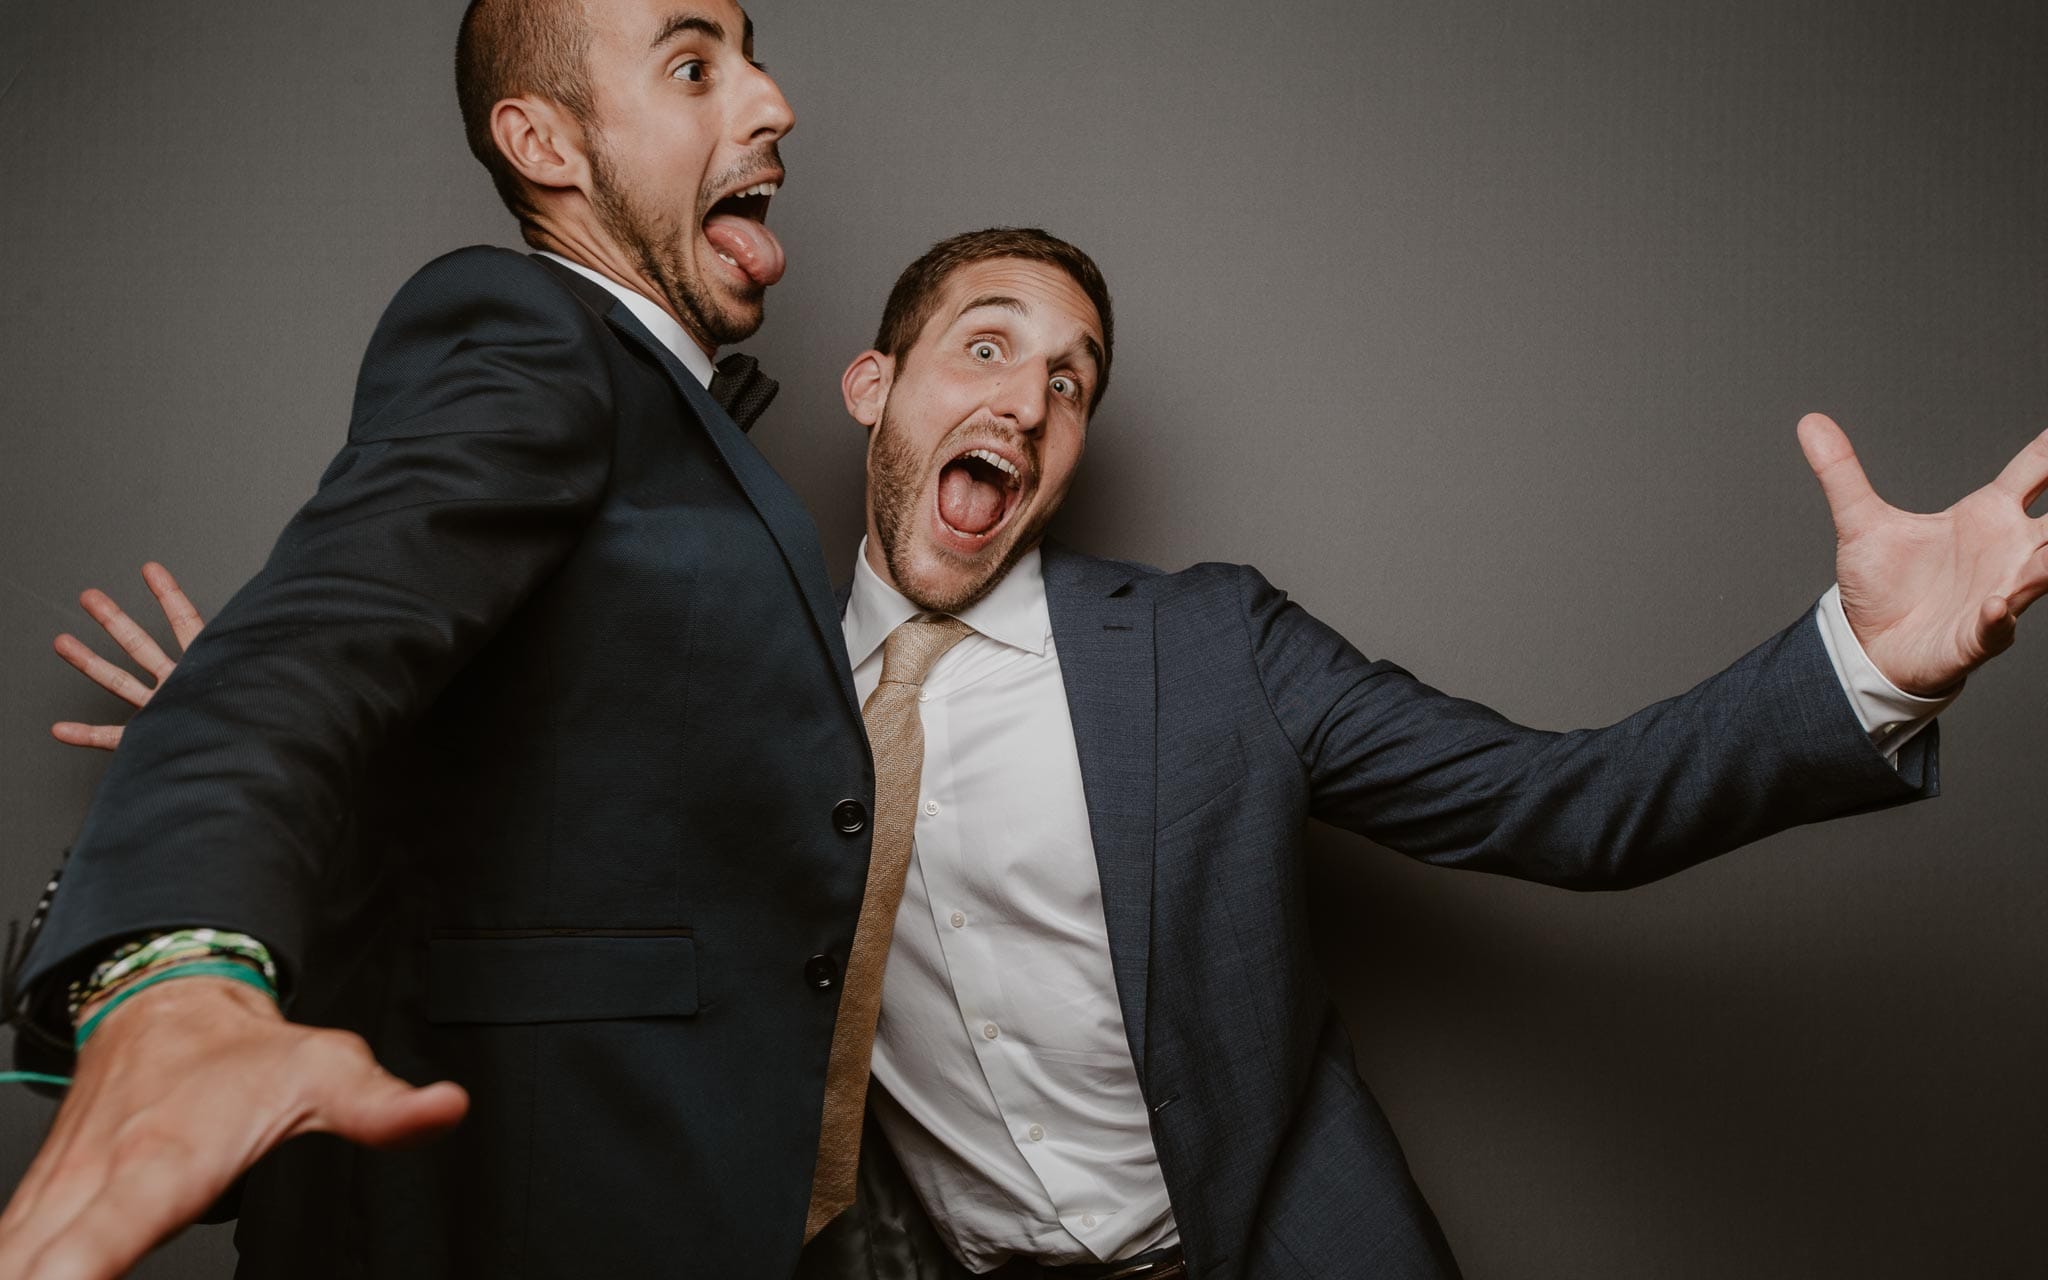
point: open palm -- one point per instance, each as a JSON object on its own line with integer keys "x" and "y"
{"x": 1931, "y": 597}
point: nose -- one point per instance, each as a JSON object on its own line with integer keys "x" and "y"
{"x": 1020, "y": 398}
{"x": 767, "y": 116}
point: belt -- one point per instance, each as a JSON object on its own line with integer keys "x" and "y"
{"x": 1158, "y": 1264}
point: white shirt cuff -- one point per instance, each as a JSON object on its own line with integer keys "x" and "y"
{"x": 1889, "y": 714}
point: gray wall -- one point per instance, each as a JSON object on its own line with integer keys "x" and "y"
{"x": 1482, "y": 328}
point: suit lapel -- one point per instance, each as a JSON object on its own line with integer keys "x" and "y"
{"x": 774, "y": 501}
{"x": 1105, "y": 644}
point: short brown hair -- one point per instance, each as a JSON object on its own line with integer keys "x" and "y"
{"x": 917, "y": 290}
{"x": 512, "y": 49}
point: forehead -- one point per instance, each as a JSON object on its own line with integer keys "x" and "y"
{"x": 1049, "y": 296}
{"x": 631, "y": 26}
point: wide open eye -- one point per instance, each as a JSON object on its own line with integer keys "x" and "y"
{"x": 1062, "y": 385}
{"x": 694, "y": 71}
{"x": 985, "y": 351}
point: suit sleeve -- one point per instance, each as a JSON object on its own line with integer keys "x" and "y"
{"x": 1769, "y": 743}
{"x": 478, "y": 449}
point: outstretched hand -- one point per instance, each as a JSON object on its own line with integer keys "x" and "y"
{"x": 176, "y": 1095}
{"x": 1932, "y": 597}
{"x": 136, "y": 643}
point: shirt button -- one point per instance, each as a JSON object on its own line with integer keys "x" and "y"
{"x": 1087, "y": 1219}
{"x": 1037, "y": 1132}
{"x": 850, "y": 817}
{"x": 958, "y": 920}
{"x": 931, "y": 808}
{"x": 988, "y": 1031}
{"x": 924, "y": 695}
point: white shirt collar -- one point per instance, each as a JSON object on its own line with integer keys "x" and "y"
{"x": 1014, "y": 613}
{"x": 660, "y": 323}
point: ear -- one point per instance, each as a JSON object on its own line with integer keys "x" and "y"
{"x": 542, "y": 142}
{"x": 865, "y": 385}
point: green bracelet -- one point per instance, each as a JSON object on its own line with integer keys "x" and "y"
{"x": 34, "y": 1077}
{"x": 234, "y": 969}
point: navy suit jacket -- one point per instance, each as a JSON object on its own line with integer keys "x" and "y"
{"x": 1213, "y": 719}
{"x": 533, "y": 754}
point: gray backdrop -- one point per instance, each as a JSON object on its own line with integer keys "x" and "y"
{"x": 1482, "y": 328}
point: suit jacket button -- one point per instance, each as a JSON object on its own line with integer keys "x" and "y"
{"x": 850, "y": 816}
{"x": 821, "y": 972}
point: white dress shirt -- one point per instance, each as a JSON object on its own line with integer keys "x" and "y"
{"x": 648, "y": 312}
{"x": 1007, "y": 1088}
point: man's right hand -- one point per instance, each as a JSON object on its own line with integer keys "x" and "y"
{"x": 136, "y": 643}
{"x": 179, "y": 1091}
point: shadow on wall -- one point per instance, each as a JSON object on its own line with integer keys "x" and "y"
{"x": 1586, "y": 1050}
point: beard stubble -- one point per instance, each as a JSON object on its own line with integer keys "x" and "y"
{"x": 655, "y": 239}
{"x": 895, "y": 485}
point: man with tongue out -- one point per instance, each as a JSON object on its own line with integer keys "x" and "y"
{"x": 530, "y": 758}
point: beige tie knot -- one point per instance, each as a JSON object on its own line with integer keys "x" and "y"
{"x": 912, "y": 648}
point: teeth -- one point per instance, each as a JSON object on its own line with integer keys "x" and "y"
{"x": 997, "y": 461}
{"x": 728, "y": 257}
{"x": 758, "y": 189}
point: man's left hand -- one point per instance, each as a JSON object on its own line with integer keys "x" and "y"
{"x": 1931, "y": 597}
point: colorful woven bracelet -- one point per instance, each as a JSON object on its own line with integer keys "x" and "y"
{"x": 143, "y": 955}
{"x": 234, "y": 969}
{"x": 237, "y": 970}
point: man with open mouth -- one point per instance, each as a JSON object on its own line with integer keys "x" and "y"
{"x": 1090, "y": 1038}
{"x": 1102, "y": 1048}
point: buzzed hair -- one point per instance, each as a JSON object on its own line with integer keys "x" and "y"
{"x": 916, "y": 295}
{"x": 515, "y": 49}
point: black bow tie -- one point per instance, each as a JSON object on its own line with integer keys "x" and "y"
{"x": 741, "y": 389}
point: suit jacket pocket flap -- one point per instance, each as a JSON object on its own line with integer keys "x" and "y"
{"x": 560, "y": 979}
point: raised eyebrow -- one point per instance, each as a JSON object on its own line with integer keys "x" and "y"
{"x": 1002, "y": 300}
{"x": 1085, "y": 345}
{"x": 678, "y": 23}
{"x": 1094, "y": 350}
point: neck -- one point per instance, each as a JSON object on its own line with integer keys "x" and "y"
{"x": 589, "y": 248}
{"x": 879, "y": 562}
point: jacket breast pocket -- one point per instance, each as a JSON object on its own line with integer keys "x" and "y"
{"x": 550, "y": 977}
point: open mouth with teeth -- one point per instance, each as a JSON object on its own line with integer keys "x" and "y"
{"x": 978, "y": 492}
{"x": 737, "y": 228}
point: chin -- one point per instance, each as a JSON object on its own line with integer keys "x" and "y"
{"x": 940, "y": 582}
{"x": 732, "y": 319}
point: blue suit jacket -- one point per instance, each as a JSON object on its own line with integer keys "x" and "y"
{"x": 1214, "y": 718}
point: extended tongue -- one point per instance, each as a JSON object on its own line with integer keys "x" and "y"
{"x": 749, "y": 243}
{"x": 969, "y": 504}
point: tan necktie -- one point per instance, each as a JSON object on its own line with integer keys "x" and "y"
{"x": 896, "y": 736}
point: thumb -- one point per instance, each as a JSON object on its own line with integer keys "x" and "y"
{"x": 362, "y": 1102}
{"x": 1834, "y": 464}
{"x": 1997, "y": 624}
